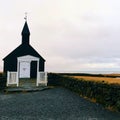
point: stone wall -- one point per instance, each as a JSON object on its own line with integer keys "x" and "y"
{"x": 106, "y": 94}
{"x": 2, "y": 82}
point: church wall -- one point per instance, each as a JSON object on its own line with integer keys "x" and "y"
{"x": 10, "y": 65}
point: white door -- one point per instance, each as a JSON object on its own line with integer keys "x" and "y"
{"x": 24, "y": 70}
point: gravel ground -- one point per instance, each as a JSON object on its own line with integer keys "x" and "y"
{"x": 51, "y": 104}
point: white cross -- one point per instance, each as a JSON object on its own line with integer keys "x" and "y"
{"x": 25, "y": 16}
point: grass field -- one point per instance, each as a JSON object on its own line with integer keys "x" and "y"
{"x": 99, "y": 79}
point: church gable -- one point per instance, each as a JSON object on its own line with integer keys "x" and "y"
{"x": 23, "y": 50}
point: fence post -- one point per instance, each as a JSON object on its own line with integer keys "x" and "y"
{"x": 37, "y": 78}
{"x": 8, "y": 77}
{"x": 17, "y": 79}
{"x": 46, "y": 78}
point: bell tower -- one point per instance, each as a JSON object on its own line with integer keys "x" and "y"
{"x": 25, "y": 34}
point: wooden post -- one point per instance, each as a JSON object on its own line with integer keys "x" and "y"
{"x": 38, "y": 75}
{"x": 18, "y": 71}
{"x": 8, "y": 77}
{"x": 46, "y": 78}
{"x": 17, "y": 79}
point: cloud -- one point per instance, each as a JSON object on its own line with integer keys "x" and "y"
{"x": 82, "y": 64}
{"x": 72, "y": 35}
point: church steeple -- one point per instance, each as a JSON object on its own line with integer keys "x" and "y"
{"x": 25, "y": 34}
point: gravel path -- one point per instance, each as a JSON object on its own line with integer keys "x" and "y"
{"x": 51, "y": 104}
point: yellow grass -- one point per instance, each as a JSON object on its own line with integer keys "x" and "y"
{"x": 112, "y": 74}
{"x": 99, "y": 79}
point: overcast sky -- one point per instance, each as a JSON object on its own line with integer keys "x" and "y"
{"x": 72, "y": 35}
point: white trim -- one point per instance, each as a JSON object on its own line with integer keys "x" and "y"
{"x": 26, "y": 58}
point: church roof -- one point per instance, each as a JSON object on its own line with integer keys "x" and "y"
{"x": 23, "y": 50}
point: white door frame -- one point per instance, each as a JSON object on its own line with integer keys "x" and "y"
{"x": 26, "y": 58}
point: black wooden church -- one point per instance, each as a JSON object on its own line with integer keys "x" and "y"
{"x": 27, "y": 54}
